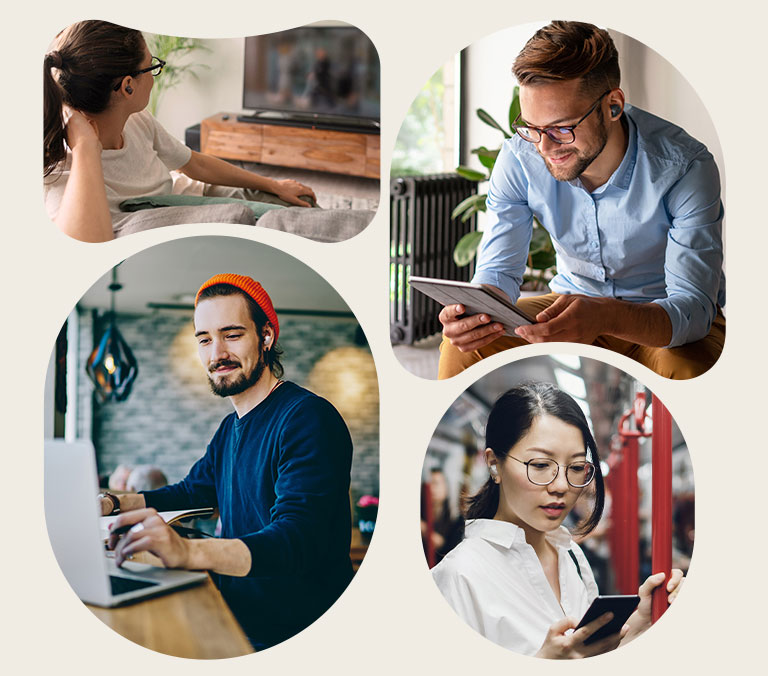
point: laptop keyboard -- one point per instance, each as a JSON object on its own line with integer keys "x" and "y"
{"x": 121, "y": 585}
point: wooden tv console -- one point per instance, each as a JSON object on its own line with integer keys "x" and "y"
{"x": 340, "y": 152}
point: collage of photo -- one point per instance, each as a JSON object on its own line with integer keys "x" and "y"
{"x": 215, "y": 421}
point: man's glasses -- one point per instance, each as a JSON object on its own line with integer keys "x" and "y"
{"x": 562, "y": 135}
{"x": 155, "y": 68}
{"x": 543, "y": 471}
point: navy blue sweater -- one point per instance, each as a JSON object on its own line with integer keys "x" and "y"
{"x": 280, "y": 478}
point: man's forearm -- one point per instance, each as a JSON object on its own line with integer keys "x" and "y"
{"x": 209, "y": 169}
{"x": 227, "y": 557}
{"x": 642, "y": 323}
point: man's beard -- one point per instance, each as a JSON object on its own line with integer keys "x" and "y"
{"x": 244, "y": 381}
{"x": 583, "y": 158}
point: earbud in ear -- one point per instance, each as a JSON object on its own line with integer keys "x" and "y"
{"x": 267, "y": 340}
{"x": 494, "y": 471}
{"x": 128, "y": 89}
{"x": 615, "y": 110}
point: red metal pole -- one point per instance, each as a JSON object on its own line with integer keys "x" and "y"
{"x": 661, "y": 539}
{"x": 633, "y": 517}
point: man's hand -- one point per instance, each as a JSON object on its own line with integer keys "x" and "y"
{"x": 571, "y": 319}
{"x": 149, "y": 533}
{"x": 291, "y": 191}
{"x": 468, "y": 333}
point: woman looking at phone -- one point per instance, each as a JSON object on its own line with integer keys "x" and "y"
{"x": 100, "y": 145}
{"x": 517, "y": 577}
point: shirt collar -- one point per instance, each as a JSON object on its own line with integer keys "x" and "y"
{"x": 622, "y": 177}
{"x": 506, "y": 534}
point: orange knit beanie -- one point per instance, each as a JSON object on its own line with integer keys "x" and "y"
{"x": 249, "y": 286}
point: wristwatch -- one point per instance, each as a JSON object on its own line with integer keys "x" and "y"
{"x": 113, "y": 499}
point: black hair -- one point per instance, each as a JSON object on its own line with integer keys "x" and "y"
{"x": 273, "y": 354}
{"x": 90, "y": 56}
{"x": 510, "y": 419}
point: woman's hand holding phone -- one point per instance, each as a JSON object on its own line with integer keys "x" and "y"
{"x": 559, "y": 645}
{"x": 640, "y": 620}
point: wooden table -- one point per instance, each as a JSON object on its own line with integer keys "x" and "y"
{"x": 194, "y": 622}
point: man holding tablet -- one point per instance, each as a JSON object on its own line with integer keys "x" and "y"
{"x": 633, "y": 206}
{"x": 277, "y": 469}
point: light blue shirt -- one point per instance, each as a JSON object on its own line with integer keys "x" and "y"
{"x": 652, "y": 233}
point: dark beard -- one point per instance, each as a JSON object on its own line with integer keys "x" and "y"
{"x": 240, "y": 384}
{"x": 583, "y": 161}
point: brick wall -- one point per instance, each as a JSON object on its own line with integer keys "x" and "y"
{"x": 171, "y": 413}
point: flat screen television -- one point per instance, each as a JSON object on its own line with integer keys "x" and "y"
{"x": 313, "y": 75}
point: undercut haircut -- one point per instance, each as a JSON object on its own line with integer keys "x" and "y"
{"x": 570, "y": 50}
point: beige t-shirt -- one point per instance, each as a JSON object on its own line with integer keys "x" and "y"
{"x": 141, "y": 167}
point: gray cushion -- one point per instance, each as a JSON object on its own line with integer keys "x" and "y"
{"x": 212, "y": 213}
{"x": 331, "y": 225}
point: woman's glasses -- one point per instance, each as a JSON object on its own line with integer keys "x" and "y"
{"x": 155, "y": 68}
{"x": 543, "y": 471}
{"x": 562, "y": 135}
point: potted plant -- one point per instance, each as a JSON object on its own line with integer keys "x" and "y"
{"x": 367, "y": 511}
{"x": 540, "y": 268}
{"x": 172, "y": 50}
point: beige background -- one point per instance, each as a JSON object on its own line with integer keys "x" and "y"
{"x": 392, "y": 617}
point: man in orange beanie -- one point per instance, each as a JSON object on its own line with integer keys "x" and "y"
{"x": 277, "y": 469}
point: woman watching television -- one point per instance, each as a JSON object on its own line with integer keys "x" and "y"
{"x": 102, "y": 147}
{"x": 518, "y": 578}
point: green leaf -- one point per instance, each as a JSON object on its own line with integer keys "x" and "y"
{"x": 466, "y": 248}
{"x": 485, "y": 117}
{"x": 471, "y": 174}
{"x": 542, "y": 260}
{"x": 487, "y": 157}
{"x": 471, "y": 204}
{"x": 540, "y": 241}
{"x": 514, "y": 107}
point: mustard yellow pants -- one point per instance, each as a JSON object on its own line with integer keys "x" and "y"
{"x": 678, "y": 363}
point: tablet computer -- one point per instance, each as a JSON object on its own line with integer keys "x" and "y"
{"x": 476, "y": 299}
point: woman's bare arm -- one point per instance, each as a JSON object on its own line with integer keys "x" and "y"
{"x": 84, "y": 210}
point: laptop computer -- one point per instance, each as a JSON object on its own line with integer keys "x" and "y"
{"x": 72, "y": 516}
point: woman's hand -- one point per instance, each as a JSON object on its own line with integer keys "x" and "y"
{"x": 558, "y": 645}
{"x": 291, "y": 191}
{"x": 81, "y": 131}
{"x": 640, "y": 620}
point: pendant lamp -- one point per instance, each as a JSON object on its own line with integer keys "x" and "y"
{"x": 112, "y": 367}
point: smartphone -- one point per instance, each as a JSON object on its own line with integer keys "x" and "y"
{"x": 621, "y": 607}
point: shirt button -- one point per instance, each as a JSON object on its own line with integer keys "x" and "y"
{"x": 593, "y": 245}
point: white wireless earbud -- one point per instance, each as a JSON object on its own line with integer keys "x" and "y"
{"x": 494, "y": 471}
{"x": 267, "y": 340}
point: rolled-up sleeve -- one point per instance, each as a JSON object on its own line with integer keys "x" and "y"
{"x": 507, "y": 236}
{"x": 694, "y": 254}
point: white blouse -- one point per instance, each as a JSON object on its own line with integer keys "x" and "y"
{"x": 494, "y": 581}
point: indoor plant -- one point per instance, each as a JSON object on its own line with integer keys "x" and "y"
{"x": 541, "y": 254}
{"x": 172, "y": 50}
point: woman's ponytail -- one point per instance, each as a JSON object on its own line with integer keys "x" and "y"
{"x": 54, "y": 136}
{"x": 484, "y": 503}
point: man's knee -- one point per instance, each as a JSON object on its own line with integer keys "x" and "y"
{"x": 453, "y": 361}
{"x": 676, "y": 364}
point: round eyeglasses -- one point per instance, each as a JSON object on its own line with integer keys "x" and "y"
{"x": 543, "y": 471}
{"x": 562, "y": 135}
{"x": 156, "y": 67}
